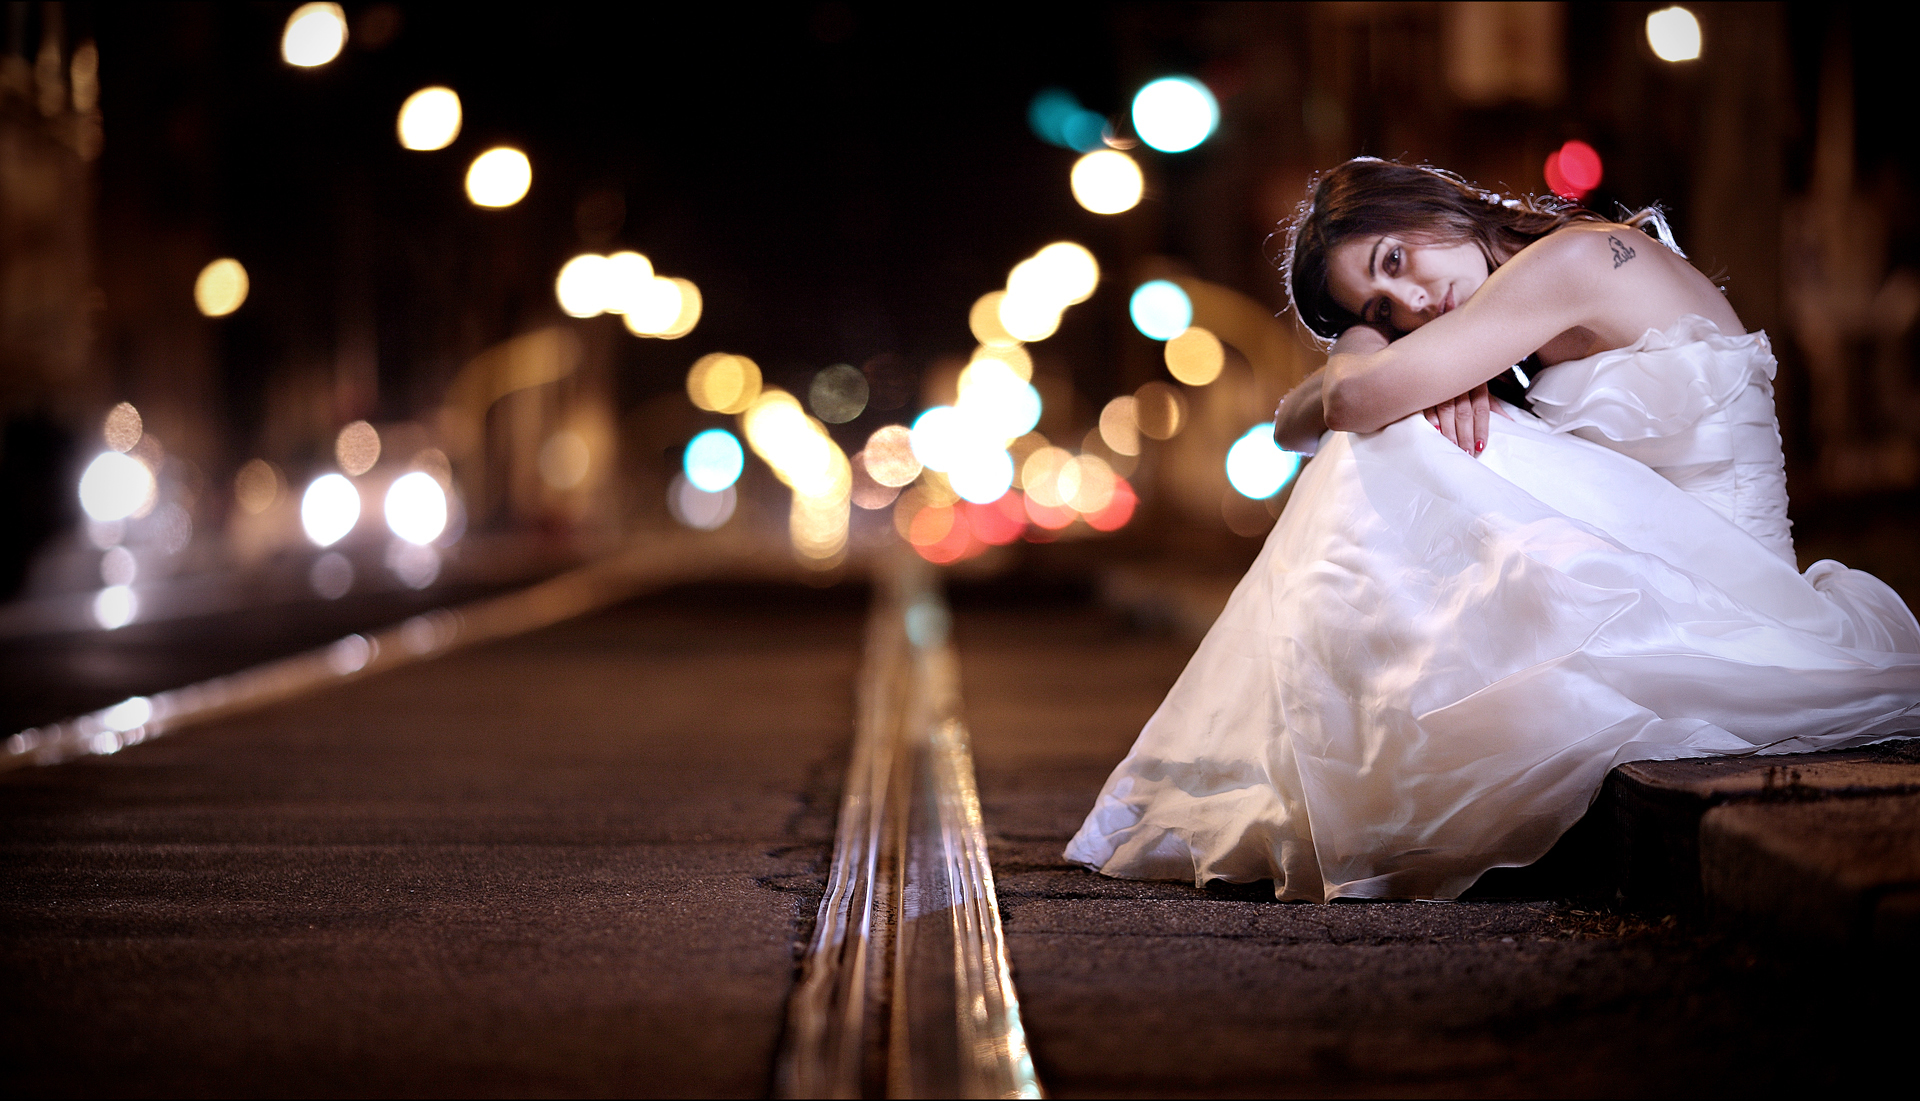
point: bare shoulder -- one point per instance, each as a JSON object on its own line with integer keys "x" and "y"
{"x": 1630, "y": 281}
{"x": 1586, "y": 250}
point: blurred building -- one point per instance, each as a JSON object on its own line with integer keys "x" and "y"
{"x": 842, "y": 183}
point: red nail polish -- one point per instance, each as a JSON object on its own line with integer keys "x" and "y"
{"x": 1479, "y": 446}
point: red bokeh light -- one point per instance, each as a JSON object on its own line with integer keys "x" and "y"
{"x": 1001, "y": 522}
{"x": 1053, "y": 517}
{"x": 1118, "y": 511}
{"x": 955, "y": 543}
{"x": 1573, "y": 170}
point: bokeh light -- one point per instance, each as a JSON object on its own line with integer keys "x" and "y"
{"x": 415, "y": 564}
{"x": 257, "y": 486}
{"x": 940, "y": 437}
{"x": 118, "y": 566}
{"x": 664, "y": 307}
{"x": 1016, "y": 358}
{"x": 1038, "y": 290}
{"x": 581, "y": 286}
{"x": 713, "y": 460}
{"x": 1573, "y": 170}
{"x": 983, "y": 320}
{"x": 723, "y": 383}
{"x": 115, "y": 606}
{"x": 416, "y": 508}
{"x": 1057, "y": 118}
{"x": 565, "y": 460}
{"x": 1159, "y": 410}
{"x": 1040, "y": 476}
{"x": 1174, "y": 114}
{"x": 626, "y": 281}
{"x": 889, "y": 456}
{"x": 696, "y": 508}
{"x": 1195, "y": 357}
{"x": 331, "y": 576}
{"x": 500, "y": 177}
{"x": 329, "y": 509}
{"x": 838, "y": 393}
{"x": 115, "y": 486}
{"x": 314, "y": 35}
{"x": 1106, "y": 181}
{"x": 1674, "y": 34}
{"x": 221, "y": 287}
{"x": 692, "y": 305}
{"x": 804, "y": 457}
{"x": 1160, "y": 309}
{"x": 429, "y": 119}
{"x": 867, "y": 493}
{"x": 123, "y": 427}
{"x": 982, "y": 475}
{"x": 1119, "y": 508}
{"x": 357, "y": 448}
{"x": 1000, "y": 404}
{"x": 1256, "y": 467}
{"x": 1119, "y": 427}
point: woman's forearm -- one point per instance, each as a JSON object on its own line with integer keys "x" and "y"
{"x": 1300, "y": 421}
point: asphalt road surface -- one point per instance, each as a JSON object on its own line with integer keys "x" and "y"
{"x": 581, "y": 861}
{"x": 574, "y": 863}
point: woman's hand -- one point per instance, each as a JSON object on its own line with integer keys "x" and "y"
{"x": 1463, "y": 420}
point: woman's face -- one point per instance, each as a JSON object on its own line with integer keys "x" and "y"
{"x": 1401, "y": 283}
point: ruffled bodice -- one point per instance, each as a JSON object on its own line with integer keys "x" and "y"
{"x": 1436, "y": 659}
{"x": 1693, "y": 404}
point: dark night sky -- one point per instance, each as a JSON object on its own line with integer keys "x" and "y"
{"x": 837, "y": 185}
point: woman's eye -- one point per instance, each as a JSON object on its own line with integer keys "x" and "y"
{"x": 1393, "y": 261}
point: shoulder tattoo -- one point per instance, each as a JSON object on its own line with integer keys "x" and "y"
{"x": 1622, "y": 252}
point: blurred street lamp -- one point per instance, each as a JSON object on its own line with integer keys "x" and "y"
{"x": 1674, "y": 34}
{"x": 1107, "y": 182}
{"x": 221, "y": 287}
{"x": 429, "y": 119}
{"x": 499, "y": 177}
{"x": 314, "y": 36}
{"x": 1174, "y": 114}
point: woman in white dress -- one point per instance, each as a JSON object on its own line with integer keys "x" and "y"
{"x": 1468, "y": 611}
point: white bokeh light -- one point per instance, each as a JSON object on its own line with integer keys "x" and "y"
{"x": 115, "y": 606}
{"x": 430, "y": 119}
{"x": 982, "y": 475}
{"x": 499, "y": 177}
{"x": 416, "y": 508}
{"x": 115, "y": 486}
{"x": 1674, "y": 34}
{"x": 314, "y": 36}
{"x": 329, "y": 509}
{"x": 1256, "y": 467}
{"x": 1174, "y": 114}
{"x": 1107, "y": 182}
{"x": 1000, "y": 404}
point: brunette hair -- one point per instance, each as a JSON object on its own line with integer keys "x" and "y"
{"x": 1367, "y": 196}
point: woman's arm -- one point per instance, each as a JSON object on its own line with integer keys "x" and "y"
{"x": 1558, "y": 283}
{"x": 1300, "y": 420}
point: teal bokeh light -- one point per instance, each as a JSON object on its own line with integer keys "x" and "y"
{"x": 1057, "y": 118}
{"x": 713, "y": 460}
{"x": 1160, "y": 309}
{"x": 1256, "y": 467}
{"x": 1175, "y": 113}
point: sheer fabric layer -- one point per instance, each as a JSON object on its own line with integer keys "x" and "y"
{"x": 1436, "y": 659}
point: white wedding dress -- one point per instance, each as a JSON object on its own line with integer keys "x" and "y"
{"x": 1436, "y": 659}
